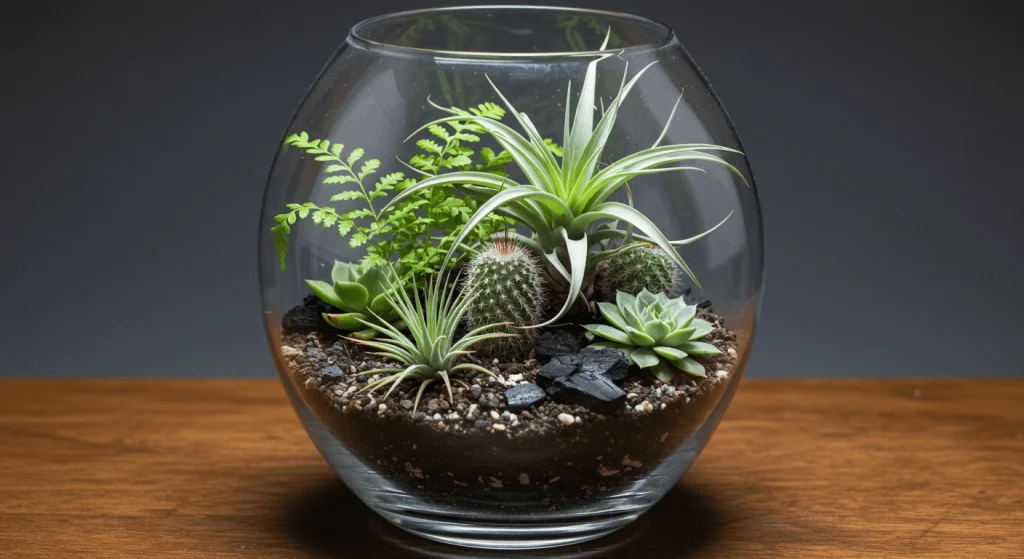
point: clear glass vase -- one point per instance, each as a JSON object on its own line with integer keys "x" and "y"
{"x": 564, "y": 146}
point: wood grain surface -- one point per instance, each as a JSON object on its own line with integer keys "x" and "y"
{"x": 218, "y": 469}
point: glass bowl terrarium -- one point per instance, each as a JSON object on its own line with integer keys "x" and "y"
{"x": 511, "y": 262}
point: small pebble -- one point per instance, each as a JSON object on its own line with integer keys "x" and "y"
{"x": 493, "y": 402}
{"x": 644, "y": 407}
{"x": 524, "y": 479}
{"x": 499, "y": 427}
{"x": 353, "y": 369}
{"x": 419, "y": 416}
{"x": 566, "y": 419}
{"x": 406, "y": 404}
{"x": 289, "y": 351}
{"x": 663, "y": 406}
{"x": 721, "y": 373}
{"x": 578, "y": 420}
{"x": 382, "y": 408}
{"x": 433, "y": 404}
{"x": 732, "y": 352}
{"x": 475, "y": 390}
{"x": 515, "y": 378}
{"x": 670, "y": 390}
{"x": 472, "y": 409}
{"x": 495, "y": 415}
{"x": 437, "y": 417}
{"x": 496, "y": 361}
{"x": 632, "y": 396}
{"x": 483, "y": 424}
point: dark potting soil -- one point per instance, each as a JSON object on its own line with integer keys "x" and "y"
{"x": 476, "y": 443}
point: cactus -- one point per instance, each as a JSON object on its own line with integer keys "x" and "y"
{"x": 635, "y": 269}
{"x": 507, "y": 286}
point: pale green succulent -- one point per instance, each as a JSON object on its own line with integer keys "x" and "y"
{"x": 429, "y": 351}
{"x": 655, "y": 333}
{"x": 360, "y": 293}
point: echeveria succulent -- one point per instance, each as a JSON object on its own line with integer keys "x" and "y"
{"x": 360, "y": 294}
{"x": 655, "y": 333}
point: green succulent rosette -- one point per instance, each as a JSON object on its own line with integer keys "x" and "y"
{"x": 361, "y": 294}
{"x": 655, "y": 333}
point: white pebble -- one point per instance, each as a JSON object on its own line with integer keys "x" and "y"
{"x": 382, "y": 408}
{"x": 496, "y": 361}
{"x": 437, "y": 417}
{"x": 472, "y": 408}
{"x": 732, "y": 352}
{"x": 632, "y": 396}
{"x": 511, "y": 417}
{"x": 524, "y": 479}
{"x": 515, "y": 378}
{"x": 495, "y": 415}
{"x": 663, "y": 406}
{"x": 498, "y": 427}
{"x": 578, "y": 420}
{"x": 353, "y": 369}
{"x": 289, "y": 351}
{"x": 644, "y": 407}
{"x": 566, "y": 419}
{"x": 722, "y": 373}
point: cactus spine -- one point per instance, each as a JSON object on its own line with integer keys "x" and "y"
{"x": 508, "y": 287}
{"x": 635, "y": 269}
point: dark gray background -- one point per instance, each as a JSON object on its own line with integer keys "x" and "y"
{"x": 885, "y": 137}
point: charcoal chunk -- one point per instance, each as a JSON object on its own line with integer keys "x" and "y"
{"x": 522, "y": 396}
{"x": 559, "y": 367}
{"x": 590, "y": 390}
{"x": 609, "y": 362}
{"x": 554, "y": 343}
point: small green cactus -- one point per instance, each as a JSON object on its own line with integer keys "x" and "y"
{"x": 506, "y": 280}
{"x": 635, "y": 269}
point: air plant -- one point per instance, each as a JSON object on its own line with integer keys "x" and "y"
{"x": 566, "y": 203}
{"x": 429, "y": 351}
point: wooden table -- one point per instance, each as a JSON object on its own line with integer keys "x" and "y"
{"x": 213, "y": 469}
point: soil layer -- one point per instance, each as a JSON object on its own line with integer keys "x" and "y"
{"x": 476, "y": 444}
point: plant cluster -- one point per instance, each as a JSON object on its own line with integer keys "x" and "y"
{"x": 566, "y": 204}
{"x": 555, "y": 233}
{"x": 655, "y": 333}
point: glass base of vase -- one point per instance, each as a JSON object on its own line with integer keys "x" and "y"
{"x": 514, "y": 523}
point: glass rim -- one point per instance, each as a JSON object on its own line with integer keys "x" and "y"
{"x": 357, "y": 36}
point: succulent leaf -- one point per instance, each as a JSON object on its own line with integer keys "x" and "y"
{"x": 609, "y": 333}
{"x": 644, "y": 358}
{"x": 325, "y": 292}
{"x": 353, "y": 296}
{"x": 346, "y": 321}
{"x": 699, "y": 348}
{"x": 670, "y": 353}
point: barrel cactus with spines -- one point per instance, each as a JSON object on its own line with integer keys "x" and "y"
{"x": 507, "y": 286}
{"x": 636, "y": 269}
